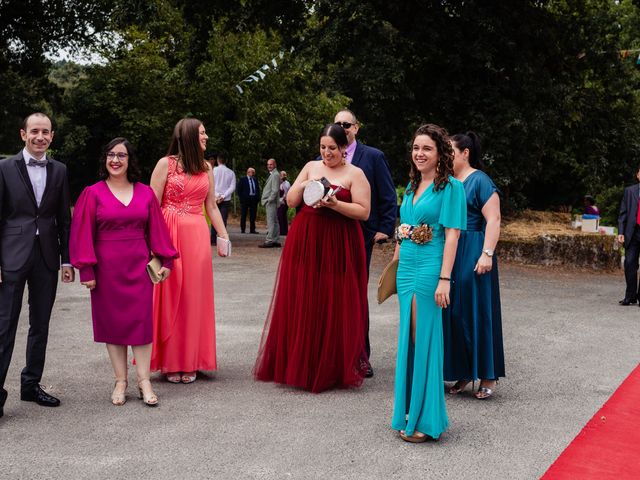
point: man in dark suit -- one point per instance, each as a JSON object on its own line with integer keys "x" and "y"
{"x": 382, "y": 219}
{"x": 249, "y": 193}
{"x": 34, "y": 238}
{"x": 629, "y": 236}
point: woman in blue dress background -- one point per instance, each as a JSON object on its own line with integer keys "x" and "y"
{"x": 473, "y": 324}
{"x": 432, "y": 214}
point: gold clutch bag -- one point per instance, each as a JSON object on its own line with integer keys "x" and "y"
{"x": 153, "y": 267}
{"x": 387, "y": 281}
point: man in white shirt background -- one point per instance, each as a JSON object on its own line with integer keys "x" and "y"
{"x": 225, "y": 185}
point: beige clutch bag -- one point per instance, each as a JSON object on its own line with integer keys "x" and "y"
{"x": 153, "y": 267}
{"x": 387, "y": 281}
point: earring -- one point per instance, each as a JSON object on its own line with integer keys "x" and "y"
{"x": 344, "y": 162}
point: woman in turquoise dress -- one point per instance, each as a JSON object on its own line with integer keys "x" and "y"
{"x": 432, "y": 214}
{"x": 473, "y": 324}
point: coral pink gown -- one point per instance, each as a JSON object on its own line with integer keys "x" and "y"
{"x": 184, "y": 336}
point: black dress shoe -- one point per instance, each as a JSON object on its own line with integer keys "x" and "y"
{"x": 42, "y": 398}
{"x": 369, "y": 373}
{"x": 267, "y": 245}
{"x": 254, "y": 232}
{"x": 626, "y": 302}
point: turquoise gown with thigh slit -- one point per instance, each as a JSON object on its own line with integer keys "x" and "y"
{"x": 419, "y": 392}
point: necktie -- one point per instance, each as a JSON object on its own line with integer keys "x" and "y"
{"x": 252, "y": 190}
{"x": 37, "y": 163}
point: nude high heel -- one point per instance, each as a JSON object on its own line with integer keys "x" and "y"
{"x": 149, "y": 399}
{"x": 119, "y": 398}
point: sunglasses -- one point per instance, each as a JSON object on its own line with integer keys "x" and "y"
{"x": 345, "y": 125}
{"x": 120, "y": 155}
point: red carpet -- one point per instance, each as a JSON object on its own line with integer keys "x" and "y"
{"x": 609, "y": 445}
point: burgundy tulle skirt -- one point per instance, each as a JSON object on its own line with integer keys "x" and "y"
{"x": 314, "y": 333}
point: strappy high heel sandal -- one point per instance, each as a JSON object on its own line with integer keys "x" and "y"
{"x": 460, "y": 385}
{"x": 175, "y": 377}
{"x": 189, "y": 377}
{"x": 119, "y": 396}
{"x": 485, "y": 392}
{"x": 149, "y": 399}
{"x": 417, "y": 437}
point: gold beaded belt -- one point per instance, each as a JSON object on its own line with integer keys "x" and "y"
{"x": 419, "y": 234}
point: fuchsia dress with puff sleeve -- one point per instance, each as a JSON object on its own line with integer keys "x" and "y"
{"x": 111, "y": 244}
{"x": 184, "y": 320}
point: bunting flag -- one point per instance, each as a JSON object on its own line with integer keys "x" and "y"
{"x": 627, "y": 53}
{"x": 261, "y": 73}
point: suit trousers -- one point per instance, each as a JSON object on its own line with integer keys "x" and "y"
{"x": 273, "y": 227}
{"x": 252, "y": 208}
{"x": 631, "y": 254}
{"x": 42, "y": 283}
{"x": 224, "y": 213}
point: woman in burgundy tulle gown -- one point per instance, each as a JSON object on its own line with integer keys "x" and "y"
{"x": 314, "y": 333}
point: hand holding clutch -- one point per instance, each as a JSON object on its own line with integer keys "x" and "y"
{"x": 153, "y": 269}
{"x": 387, "y": 281}
{"x": 224, "y": 247}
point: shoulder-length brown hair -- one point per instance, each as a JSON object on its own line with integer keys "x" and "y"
{"x": 444, "y": 167}
{"x": 133, "y": 171}
{"x": 185, "y": 144}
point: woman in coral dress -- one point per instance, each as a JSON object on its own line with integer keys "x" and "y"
{"x": 184, "y": 338}
{"x": 314, "y": 333}
{"x": 116, "y": 224}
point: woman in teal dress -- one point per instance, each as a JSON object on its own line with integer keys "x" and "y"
{"x": 473, "y": 324}
{"x": 432, "y": 214}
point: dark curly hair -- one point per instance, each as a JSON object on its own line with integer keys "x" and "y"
{"x": 444, "y": 167}
{"x": 133, "y": 171}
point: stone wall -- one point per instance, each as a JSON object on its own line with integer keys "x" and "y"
{"x": 599, "y": 252}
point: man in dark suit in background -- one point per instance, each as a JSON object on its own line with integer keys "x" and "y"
{"x": 629, "y": 236}
{"x": 34, "y": 238}
{"x": 249, "y": 194}
{"x": 384, "y": 203}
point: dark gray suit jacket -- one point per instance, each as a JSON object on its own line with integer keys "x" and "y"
{"x": 20, "y": 216}
{"x": 627, "y": 219}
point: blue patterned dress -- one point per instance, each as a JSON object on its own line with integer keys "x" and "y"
{"x": 419, "y": 394}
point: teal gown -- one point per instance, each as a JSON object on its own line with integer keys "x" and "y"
{"x": 419, "y": 392}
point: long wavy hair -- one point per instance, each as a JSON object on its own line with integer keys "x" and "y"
{"x": 444, "y": 167}
{"x": 471, "y": 141}
{"x": 185, "y": 144}
{"x": 133, "y": 170}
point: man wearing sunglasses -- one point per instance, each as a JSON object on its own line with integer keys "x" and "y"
{"x": 382, "y": 219}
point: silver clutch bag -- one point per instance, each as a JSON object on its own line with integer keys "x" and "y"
{"x": 316, "y": 190}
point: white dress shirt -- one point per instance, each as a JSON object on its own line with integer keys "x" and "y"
{"x": 224, "y": 181}
{"x": 37, "y": 175}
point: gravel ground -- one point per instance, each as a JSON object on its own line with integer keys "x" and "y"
{"x": 568, "y": 345}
